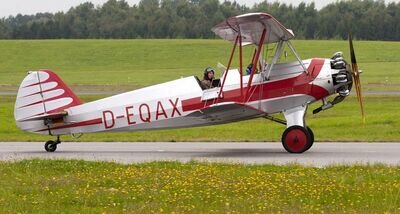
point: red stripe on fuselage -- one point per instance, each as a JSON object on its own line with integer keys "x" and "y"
{"x": 268, "y": 90}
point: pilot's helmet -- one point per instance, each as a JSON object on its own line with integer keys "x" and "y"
{"x": 207, "y": 70}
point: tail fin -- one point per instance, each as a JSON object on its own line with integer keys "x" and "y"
{"x": 42, "y": 93}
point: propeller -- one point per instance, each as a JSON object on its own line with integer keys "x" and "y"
{"x": 356, "y": 76}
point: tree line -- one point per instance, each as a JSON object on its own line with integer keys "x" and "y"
{"x": 367, "y": 19}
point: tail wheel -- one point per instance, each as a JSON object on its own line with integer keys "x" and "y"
{"x": 50, "y": 146}
{"x": 296, "y": 139}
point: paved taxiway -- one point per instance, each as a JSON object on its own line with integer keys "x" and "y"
{"x": 321, "y": 154}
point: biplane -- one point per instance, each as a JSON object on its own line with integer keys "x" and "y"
{"x": 46, "y": 105}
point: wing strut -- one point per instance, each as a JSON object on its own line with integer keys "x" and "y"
{"x": 275, "y": 59}
{"x": 255, "y": 60}
{"x": 241, "y": 65}
{"x": 228, "y": 66}
{"x": 256, "y": 56}
{"x": 297, "y": 56}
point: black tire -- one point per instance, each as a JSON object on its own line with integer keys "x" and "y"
{"x": 296, "y": 139}
{"x": 50, "y": 146}
{"x": 312, "y": 137}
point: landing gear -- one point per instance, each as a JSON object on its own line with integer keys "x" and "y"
{"x": 51, "y": 146}
{"x": 297, "y": 139}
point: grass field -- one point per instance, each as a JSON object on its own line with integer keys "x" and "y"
{"x": 97, "y": 187}
{"x": 130, "y": 64}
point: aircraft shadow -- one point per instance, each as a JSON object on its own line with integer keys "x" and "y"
{"x": 217, "y": 153}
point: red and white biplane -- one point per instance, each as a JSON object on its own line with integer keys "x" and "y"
{"x": 46, "y": 105}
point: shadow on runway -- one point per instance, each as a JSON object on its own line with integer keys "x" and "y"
{"x": 215, "y": 153}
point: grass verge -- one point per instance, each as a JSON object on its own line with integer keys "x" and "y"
{"x": 84, "y": 187}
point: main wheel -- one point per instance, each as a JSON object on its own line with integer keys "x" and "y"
{"x": 311, "y": 133}
{"x": 296, "y": 139}
{"x": 312, "y": 137}
{"x": 50, "y": 146}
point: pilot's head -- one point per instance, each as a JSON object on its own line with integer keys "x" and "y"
{"x": 248, "y": 69}
{"x": 209, "y": 73}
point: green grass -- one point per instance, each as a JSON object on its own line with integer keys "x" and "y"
{"x": 130, "y": 64}
{"x": 341, "y": 123}
{"x": 98, "y": 187}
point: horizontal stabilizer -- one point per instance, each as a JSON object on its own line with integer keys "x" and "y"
{"x": 51, "y": 116}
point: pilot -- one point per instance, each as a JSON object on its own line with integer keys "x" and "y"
{"x": 248, "y": 69}
{"x": 207, "y": 78}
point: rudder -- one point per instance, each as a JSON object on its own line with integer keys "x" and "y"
{"x": 41, "y": 93}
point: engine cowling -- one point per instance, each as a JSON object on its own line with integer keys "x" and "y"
{"x": 341, "y": 75}
{"x": 342, "y": 81}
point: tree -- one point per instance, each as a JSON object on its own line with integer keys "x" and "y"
{"x": 367, "y": 19}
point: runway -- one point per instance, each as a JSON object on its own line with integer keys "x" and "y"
{"x": 320, "y": 155}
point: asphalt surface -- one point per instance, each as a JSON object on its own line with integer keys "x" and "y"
{"x": 320, "y": 155}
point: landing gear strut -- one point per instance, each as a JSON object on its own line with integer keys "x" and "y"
{"x": 51, "y": 146}
{"x": 297, "y": 139}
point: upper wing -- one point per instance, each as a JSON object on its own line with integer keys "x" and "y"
{"x": 251, "y": 26}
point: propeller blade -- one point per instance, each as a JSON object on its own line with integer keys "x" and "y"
{"x": 356, "y": 76}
